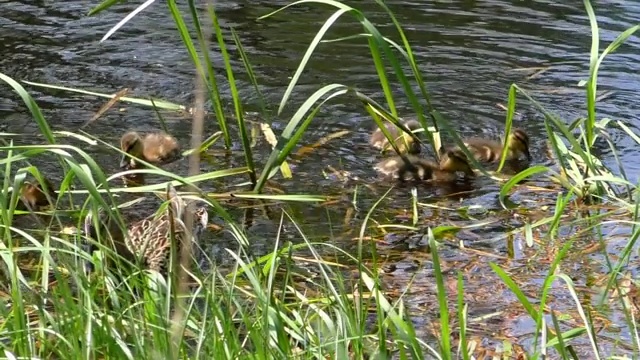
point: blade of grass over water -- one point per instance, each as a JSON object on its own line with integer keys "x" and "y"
{"x": 546, "y": 287}
{"x": 412, "y": 61}
{"x": 106, "y": 4}
{"x": 378, "y": 46}
{"x": 249, "y": 69}
{"x": 303, "y": 198}
{"x": 586, "y": 157}
{"x": 288, "y": 139}
{"x": 214, "y": 90}
{"x": 312, "y": 46}
{"x": 33, "y": 107}
{"x": 126, "y": 19}
{"x": 593, "y": 76}
{"x": 401, "y": 330}
{"x": 511, "y": 109}
{"x": 376, "y": 111}
{"x": 431, "y": 131}
{"x": 237, "y": 104}
{"x": 588, "y": 325}
{"x": 516, "y": 179}
{"x": 158, "y": 103}
{"x": 385, "y": 131}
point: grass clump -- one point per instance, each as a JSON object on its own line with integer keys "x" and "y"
{"x": 297, "y": 301}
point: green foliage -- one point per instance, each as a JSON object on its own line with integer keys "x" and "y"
{"x": 261, "y": 308}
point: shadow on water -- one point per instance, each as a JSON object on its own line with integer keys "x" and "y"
{"x": 471, "y": 52}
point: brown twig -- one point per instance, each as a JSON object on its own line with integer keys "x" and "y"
{"x": 179, "y": 322}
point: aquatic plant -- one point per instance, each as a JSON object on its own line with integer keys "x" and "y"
{"x": 263, "y": 307}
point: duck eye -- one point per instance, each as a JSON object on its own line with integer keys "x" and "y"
{"x": 522, "y": 138}
{"x": 130, "y": 145}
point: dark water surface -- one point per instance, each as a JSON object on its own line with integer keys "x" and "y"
{"x": 470, "y": 52}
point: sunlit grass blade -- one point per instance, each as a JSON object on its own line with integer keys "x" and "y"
{"x": 106, "y": 4}
{"x": 522, "y": 298}
{"x": 289, "y": 139}
{"x": 511, "y": 109}
{"x": 206, "y": 144}
{"x": 559, "y": 337}
{"x": 237, "y": 103}
{"x": 623, "y": 258}
{"x": 126, "y": 19}
{"x": 412, "y": 61}
{"x": 593, "y": 76}
{"x": 516, "y": 179}
{"x": 45, "y": 129}
{"x": 595, "y": 62}
{"x": 431, "y": 131}
{"x": 183, "y": 31}
{"x": 249, "y": 69}
{"x": 302, "y": 198}
{"x": 462, "y": 319}
{"x": 203, "y": 34}
{"x": 588, "y": 325}
{"x": 342, "y": 9}
{"x": 548, "y": 282}
{"x": 589, "y": 162}
{"x": 628, "y": 131}
{"x": 159, "y": 103}
{"x": 445, "y": 331}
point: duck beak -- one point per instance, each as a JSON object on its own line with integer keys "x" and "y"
{"x": 527, "y": 154}
{"x": 124, "y": 161}
{"x": 201, "y": 224}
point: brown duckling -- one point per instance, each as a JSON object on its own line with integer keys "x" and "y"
{"x": 158, "y": 148}
{"x": 490, "y": 151}
{"x": 420, "y": 169}
{"x": 34, "y": 197}
{"x": 404, "y": 142}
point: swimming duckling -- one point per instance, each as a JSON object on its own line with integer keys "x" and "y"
{"x": 490, "y": 151}
{"x": 150, "y": 239}
{"x": 158, "y": 148}
{"x": 33, "y": 197}
{"x": 420, "y": 169}
{"x": 404, "y": 142}
{"x": 133, "y": 180}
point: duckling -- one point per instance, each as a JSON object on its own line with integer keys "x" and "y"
{"x": 33, "y": 197}
{"x": 159, "y": 148}
{"x": 133, "y": 180}
{"x": 150, "y": 239}
{"x": 489, "y": 151}
{"x": 404, "y": 142}
{"x": 425, "y": 170}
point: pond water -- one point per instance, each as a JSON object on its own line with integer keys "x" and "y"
{"x": 469, "y": 51}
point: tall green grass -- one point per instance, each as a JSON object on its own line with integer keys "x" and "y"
{"x": 259, "y": 308}
{"x": 583, "y": 175}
